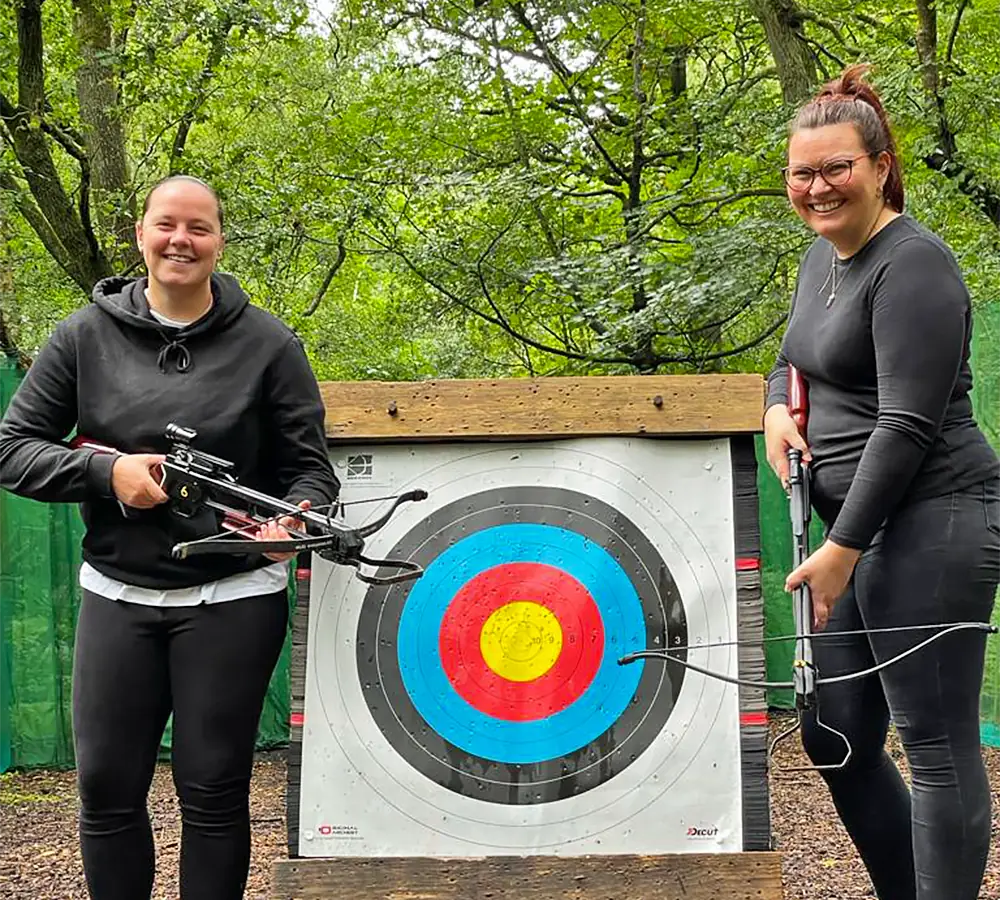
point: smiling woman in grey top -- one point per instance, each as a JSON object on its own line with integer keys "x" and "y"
{"x": 909, "y": 491}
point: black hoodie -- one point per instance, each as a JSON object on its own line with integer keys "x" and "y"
{"x": 238, "y": 376}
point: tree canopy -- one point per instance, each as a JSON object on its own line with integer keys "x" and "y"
{"x": 478, "y": 187}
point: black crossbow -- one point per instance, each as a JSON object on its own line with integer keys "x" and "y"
{"x": 193, "y": 480}
{"x": 806, "y": 678}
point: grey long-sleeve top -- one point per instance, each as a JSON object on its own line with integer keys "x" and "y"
{"x": 887, "y": 365}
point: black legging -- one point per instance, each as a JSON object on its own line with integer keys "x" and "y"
{"x": 210, "y": 665}
{"x": 938, "y": 561}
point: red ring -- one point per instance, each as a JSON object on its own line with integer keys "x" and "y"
{"x": 521, "y": 701}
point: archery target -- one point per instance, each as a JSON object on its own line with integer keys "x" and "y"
{"x": 482, "y": 707}
{"x": 506, "y": 650}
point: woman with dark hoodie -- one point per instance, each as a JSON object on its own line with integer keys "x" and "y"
{"x": 197, "y": 637}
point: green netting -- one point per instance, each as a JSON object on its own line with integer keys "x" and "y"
{"x": 39, "y": 598}
{"x": 5, "y": 676}
{"x": 39, "y": 556}
{"x": 38, "y": 608}
{"x": 986, "y": 402}
{"x": 776, "y": 562}
{"x": 37, "y": 619}
{"x": 6, "y": 386}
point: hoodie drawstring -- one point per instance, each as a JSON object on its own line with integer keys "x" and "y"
{"x": 183, "y": 356}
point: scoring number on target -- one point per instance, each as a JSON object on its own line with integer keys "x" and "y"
{"x": 521, "y": 641}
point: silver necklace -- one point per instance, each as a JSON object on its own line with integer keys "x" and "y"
{"x": 833, "y": 264}
{"x": 833, "y": 272}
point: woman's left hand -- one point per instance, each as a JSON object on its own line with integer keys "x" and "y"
{"x": 276, "y": 531}
{"x": 827, "y": 572}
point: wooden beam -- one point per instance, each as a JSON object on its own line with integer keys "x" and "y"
{"x": 712, "y": 876}
{"x": 523, "y": 408}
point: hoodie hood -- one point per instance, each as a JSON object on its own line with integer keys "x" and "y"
{"x": 124, "y": 299}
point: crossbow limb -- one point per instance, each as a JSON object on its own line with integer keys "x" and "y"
{"x": 806, "y": 677}
{"x": 194, "y": 480}
{"x": 940, "y": 632}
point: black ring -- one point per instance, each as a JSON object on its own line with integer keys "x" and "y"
{"x": 555, "y": 779}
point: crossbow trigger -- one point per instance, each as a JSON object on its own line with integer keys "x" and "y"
{"x": 195, "y": 480}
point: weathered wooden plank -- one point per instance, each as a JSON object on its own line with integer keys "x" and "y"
{"x": 544, "y": 407}
{"x": 297, "y": 673}
{"x": 732, "y": 876}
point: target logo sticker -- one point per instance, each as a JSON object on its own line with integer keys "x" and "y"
{"x": 482, "y": 707}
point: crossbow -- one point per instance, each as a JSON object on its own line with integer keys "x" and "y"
{"x": 806, "y": 678}
{"x": 195, "y": 480}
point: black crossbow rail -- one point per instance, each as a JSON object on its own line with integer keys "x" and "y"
{"x": 805, "y": 676}
{"x": 194, "y": 480}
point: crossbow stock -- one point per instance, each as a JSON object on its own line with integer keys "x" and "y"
{"x": 806, "y": 677}
{"x": 194, "y": 480}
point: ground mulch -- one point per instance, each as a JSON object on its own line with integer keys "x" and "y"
{"x": 40, "y": 857}
{"x": 819, "y": 861}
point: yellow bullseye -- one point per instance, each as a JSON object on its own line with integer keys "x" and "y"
{"x": 521, "y": 641}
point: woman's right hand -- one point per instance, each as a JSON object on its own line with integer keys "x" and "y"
{"x": 780, "y": 434}
{"x": 134, "y": 481}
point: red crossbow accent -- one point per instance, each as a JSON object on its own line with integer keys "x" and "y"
{"x": 194, "y": 480}
{"x": 805, "y": 675}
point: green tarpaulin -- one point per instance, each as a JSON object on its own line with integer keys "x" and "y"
{"x": 986, "y": 398}
{"x": 39, "y": 557}
{"x": 39, "y": 596}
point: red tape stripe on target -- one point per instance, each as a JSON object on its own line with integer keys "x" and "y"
{"x": 572, "y": 673}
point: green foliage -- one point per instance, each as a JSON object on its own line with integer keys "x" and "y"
{"x": 433, "y": 190}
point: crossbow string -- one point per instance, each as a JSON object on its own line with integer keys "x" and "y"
{"x": 194, "y": 480}
{"x": 806, "y": 676}
{"x": 941, "y": 631}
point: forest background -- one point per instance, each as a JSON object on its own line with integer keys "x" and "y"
{"x": 473, "y": 188}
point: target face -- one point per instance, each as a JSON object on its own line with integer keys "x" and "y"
{"x": 505, "y": 652}
{"x": 481, "y": 708}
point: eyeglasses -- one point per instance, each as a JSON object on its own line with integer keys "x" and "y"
{"x": 835, "y": 172}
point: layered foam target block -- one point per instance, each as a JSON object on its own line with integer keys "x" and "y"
{"x": 482, "y": 710}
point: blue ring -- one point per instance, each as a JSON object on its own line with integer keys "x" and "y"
{"x": 562, "y": 733}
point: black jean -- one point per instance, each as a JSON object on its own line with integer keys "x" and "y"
{"x": 938, "y": 560}
{"x": 133, "y": 665}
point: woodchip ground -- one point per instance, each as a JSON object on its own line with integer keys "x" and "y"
{"x": 40, "y": 858}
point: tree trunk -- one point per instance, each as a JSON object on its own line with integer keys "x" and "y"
{"x": 100, "y": 115}
{"x": 7, "y": 345}
{"x": 678, "y": 70}
{"x": 945, "y": 157}
{"x": 63, "y": 229}
{"x": 926, "y": 42}
{"x": 782, "y": 21}
{"x": 645, "y": 358}
{"x": 216, "y": 51}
